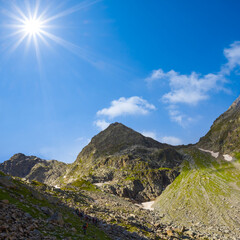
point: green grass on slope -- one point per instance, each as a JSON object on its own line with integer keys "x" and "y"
{"x": 81, "y": 184}
{"x": 84, "y": 185}
{"x": 206, "y": 191}
{"x": 2, "y": 174}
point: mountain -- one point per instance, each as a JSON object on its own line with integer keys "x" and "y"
{"x": 206, "y": 193}
{"x": 124, "y": 162}
{"x": 119, "y": 160}
{"x": 224, "y": 135}
{"x": 196, "y": 186}
{"x": 34, "y": 168}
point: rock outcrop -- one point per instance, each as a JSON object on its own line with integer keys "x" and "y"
{"x": 34, "y": 168}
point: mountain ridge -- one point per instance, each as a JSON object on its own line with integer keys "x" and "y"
{"x": 34, "y": 168}
{"x": 134, "y": 166}
{"x": 224, "y": 133}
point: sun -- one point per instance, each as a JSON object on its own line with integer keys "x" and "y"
{"x": 29, "y": 24}
{"x": 32, "y": 26}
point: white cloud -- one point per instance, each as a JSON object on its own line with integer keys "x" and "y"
{"x": 178, "y": 117}
{"x": 102, "y": 124}
{"x": 171, "y": 140}
{"x": 233, "y": 56}
{"x": 166, "y": 139}
{"x": 156, "y": 74}
{"x": 127, "y": 106}
{"x": 149, "y": 134}
{"x": 193, "y": 88}
{"x": 188, "y": 89}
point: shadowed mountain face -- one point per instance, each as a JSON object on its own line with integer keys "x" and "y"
{"x": 34, "y": 168}
{"x": 224, "y": 135}
{"x": 126, "y": 163}
{"x": 20, "y": 165}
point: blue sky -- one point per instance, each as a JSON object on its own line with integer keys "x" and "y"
{"x": 167, "y": 69}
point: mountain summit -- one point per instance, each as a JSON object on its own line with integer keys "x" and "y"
{"x": 117, "y": 137}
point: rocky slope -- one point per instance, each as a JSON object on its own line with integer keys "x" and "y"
{"x": 224, "y": 135}
{"x": 34, "y": 168}
{"x": 32, "y": 210}
{"x": 29, "y": 210}
{"x": 205, "y": 196}
{"x": 126, "y": 163}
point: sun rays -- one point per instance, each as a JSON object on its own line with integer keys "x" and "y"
{"x": 33, "y": 24}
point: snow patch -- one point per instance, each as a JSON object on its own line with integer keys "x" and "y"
{"x": 101, "y": 184}
{"x": 214, "y": 154}
{"x": 228, "y": 157}
{"x": 146, "y": 205}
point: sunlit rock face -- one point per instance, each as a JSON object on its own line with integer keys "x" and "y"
{"x": 224, "y": 135}
{"x": 134, "y": 166}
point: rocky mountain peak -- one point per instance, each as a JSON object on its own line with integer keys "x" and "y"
{"x": 19, "y": 164}
{"x": 224, "y": 133}
{"x": 118, "y": 137}
{"x": 22, "y": 157}
{"x": 33, "y": 168}
{"x": 135, "y": 166}
{"x": 17, "y": 156}
{"x": 235, "y": 104}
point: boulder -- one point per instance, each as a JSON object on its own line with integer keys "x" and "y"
{"x": 47, "y": 211}
{"x": 56, "y": 218}
{"x": 5, "y": 201}
{"x": 7, "y": 182}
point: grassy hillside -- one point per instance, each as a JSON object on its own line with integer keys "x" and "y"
{"x": 206, "y": 194}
